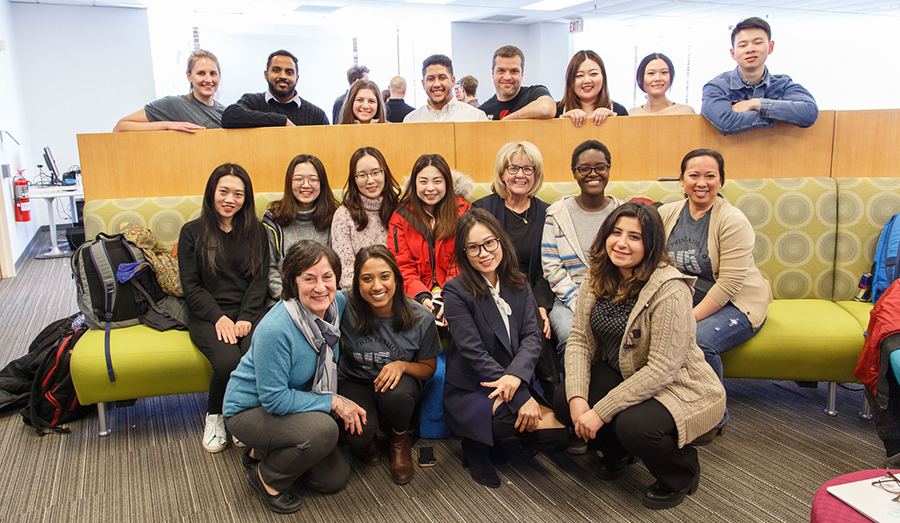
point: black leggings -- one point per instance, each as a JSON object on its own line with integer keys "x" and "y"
{"x": 397, "y": 405}
{"x": 224, "y": 357}
{"x": 645, "y": 430}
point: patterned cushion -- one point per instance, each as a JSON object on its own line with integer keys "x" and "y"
{"x": 865, "y": 206}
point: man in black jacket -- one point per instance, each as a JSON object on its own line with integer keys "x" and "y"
{"x": 280, "y": 105}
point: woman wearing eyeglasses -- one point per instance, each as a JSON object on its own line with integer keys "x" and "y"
{"x": 518, "y": 177}
{"x": 494, "y": 346}
{"x": 304, "y": 213}
{"x": 370, "y": 197}
{"x": 569, "y": 230}
{"x": 421, "y": 231}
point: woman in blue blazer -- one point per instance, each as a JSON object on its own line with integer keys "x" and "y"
{"x": 494, "y": 346}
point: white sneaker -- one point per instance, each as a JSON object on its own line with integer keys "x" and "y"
{"x": 214, "y": 433}
{"x": 238, "y": 443}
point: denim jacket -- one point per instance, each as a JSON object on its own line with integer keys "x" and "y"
{"x": 780, "y": 99}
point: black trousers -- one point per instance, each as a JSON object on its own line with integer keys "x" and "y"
{"x": 224, "y": 357}
{"x": 646, "y": 430}
{"x": 395, "y": 405}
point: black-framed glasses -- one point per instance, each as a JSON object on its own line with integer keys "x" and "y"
{"x": 376, "y": 174}
{"x": 527, "y": 170}
{"x": 890, "y": 484}
{"x": 585, "y": 170}
{"x": 473, "y": 249}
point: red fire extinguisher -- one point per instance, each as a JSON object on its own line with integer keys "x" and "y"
{"x": 23, "y": 204}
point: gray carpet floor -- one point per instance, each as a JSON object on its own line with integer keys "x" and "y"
{"x": 779, "y": 448}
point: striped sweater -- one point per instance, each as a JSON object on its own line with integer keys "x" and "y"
{"x": 563, "y": 258}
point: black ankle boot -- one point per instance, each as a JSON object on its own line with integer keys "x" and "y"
{"x": 657, "y": 497}
{"x": 611, "y": 469}
{"x": 476, "y": 458}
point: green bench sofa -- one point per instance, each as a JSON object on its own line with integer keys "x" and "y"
{"x": 815, "y": 236}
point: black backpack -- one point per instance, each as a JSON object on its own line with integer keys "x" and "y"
{"x": 53, "y": 399}
{"x": 109, "y": 304}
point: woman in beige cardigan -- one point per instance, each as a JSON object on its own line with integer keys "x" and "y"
{"x": 713, "y": 240}
{"x": 636, "y": 382}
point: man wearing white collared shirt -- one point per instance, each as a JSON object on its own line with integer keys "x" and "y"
{"x": 280, "y": 105}
{"x": 442, "y": 106}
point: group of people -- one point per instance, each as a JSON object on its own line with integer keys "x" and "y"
{"x": 590, "y": 323}
{"x": 748, "y": 97}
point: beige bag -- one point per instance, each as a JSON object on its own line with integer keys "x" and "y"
{"x": 163, "y": 262}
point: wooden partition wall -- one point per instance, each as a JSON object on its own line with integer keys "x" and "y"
{"x": 169, "y": 163}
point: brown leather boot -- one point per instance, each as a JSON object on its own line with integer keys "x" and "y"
{"x": 371, "y": 453}
{"x": 401, "y": 458}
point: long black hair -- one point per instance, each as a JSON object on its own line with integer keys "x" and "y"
{"x": 508, "y": 272}
{"x": 285, "y": 210}
{"x": 245, "y": 225}
{"x": 367, "y": 322}
{"x": 353, "y": 197}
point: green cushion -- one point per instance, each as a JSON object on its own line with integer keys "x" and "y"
{"x": 802, "y": 340}
{"x": 859, "y": 310}
{"x": 146, "y": 362}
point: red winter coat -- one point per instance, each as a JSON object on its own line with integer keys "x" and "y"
{"x": 409, "y": 245}
{"x": 884, "y": 320}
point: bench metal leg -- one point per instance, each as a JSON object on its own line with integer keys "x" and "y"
{"x": 866, "y": 412}
{"x": 101, "y": 413}
{"x": 831, "y": 409}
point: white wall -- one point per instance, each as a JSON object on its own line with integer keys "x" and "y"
{"x": 14, "y": 237}
{"x": 324, "y": 54}
{"x": 82, "y": 69}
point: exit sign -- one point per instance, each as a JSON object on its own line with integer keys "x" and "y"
{"x": 576, "y": 26}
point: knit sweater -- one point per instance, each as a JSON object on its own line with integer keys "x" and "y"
{"x": 658, "y": 356}
{"x": 347, "y": 241}
{"x": 278, "y": 370}
{"x": 730, "y": 243}
{"x": 282, "y": 238}
{"x": 252, "y": 110}
{"x": 564, "y": 259}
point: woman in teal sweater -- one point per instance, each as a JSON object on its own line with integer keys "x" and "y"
{"x": 281, "y": 400}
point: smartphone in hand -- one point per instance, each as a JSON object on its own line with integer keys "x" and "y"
{"x": 438, "y": 307}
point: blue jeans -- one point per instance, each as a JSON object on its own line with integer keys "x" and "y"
{"x": 720, "y": 332}
{"x": 561, "y": 319}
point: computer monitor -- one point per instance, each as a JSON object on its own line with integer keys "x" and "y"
{"x": 55, "y": 179}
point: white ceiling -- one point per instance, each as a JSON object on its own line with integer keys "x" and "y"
{"x": 301, "y": 12}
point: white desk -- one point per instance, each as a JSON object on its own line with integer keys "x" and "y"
{"x": 50, "y": 194}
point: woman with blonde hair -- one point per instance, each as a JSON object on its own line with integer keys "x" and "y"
{"x": 189, "y": 112}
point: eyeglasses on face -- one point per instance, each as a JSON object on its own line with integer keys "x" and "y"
{"x": 376, "y": 174}
{"x": 474, "y": 249}
{"x": 527, "y": 170}
{"x": 300, "y": 180}
{"x": 585, "y": 170}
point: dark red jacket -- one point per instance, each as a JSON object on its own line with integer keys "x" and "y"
{"x": 884, "y": 320}
{"x": 410, "y": 245}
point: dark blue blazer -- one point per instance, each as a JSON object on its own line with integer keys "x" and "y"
{"x": 495, "y": 205}
{"x": 481, "y": 351}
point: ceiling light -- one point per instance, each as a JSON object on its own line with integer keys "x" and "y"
{"x": 552, "y": 5}
{"x": 432, "y": 2}
{"x": 886, "y": 7}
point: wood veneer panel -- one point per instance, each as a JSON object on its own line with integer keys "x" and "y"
{"x": 152, "y": 164}
{"x": 646, "y": 148}
{"x": 866, "y": 144}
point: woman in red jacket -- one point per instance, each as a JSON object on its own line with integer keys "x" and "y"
{"x": 422, "y": 230}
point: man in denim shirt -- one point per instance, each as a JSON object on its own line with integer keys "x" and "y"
{"x": 750, "y": 97}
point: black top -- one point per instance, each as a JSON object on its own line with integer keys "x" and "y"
{"x": 228, "y": 291}
{"x": 608, "y": 320}
{"x": 252, "y": 110}
{"x": 397, "y": 109}
{"x": 337, "y": 106}
{"x": 497, "y": 110}
{"x": 531, "y": 262}
{"x": 617, "y": 108}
